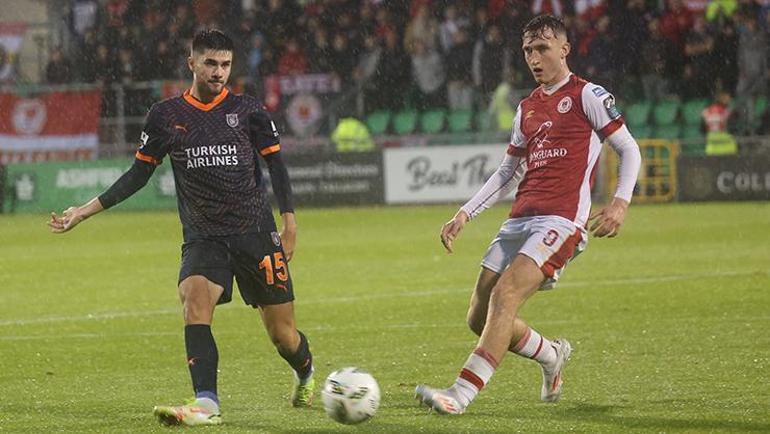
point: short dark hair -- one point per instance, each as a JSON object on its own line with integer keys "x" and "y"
{"x": 538, "y": 25}
{"x": 211, "y": 39}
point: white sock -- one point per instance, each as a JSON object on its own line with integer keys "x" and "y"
{"x": 534, "y": 346}
{"x": 476, "y": 372}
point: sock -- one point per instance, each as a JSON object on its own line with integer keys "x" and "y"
{"x": 207, "y": 403}
{"x": 202, "y": 360}
{"x": 476, "y": 372}
{"x": 534, "y": 346}
{"x": 302, "y": 360}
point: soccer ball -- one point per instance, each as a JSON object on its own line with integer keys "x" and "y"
{"x": 350, "y": 395}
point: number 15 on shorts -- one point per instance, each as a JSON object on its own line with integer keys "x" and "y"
{"x": 275, "y": 267}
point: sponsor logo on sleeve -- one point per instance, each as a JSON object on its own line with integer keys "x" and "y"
{"x": 609, "y": 105}
{"x": 143, "y": 138}
{"x": 599, "y": 91}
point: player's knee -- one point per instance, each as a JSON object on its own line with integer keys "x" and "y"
{"x": 505, "y": 299}
{"x": 197, "y": 307}
{"x": 196, "y": 313}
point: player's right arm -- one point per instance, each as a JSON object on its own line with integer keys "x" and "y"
{"x": 502, "y": 182}
{"x": 154, "y": 147}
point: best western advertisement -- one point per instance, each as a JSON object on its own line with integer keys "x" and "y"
{"x": 723, "y": 178}
{"x": 46, "y": 187}
{"x": 439, "y": 174}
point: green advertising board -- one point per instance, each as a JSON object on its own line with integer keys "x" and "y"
{"x": 46, "y": 187}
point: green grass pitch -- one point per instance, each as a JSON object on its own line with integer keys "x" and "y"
{"x": 669, "y": 324}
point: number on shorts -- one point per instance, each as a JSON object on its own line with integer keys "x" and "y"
{"x": 274, "y": 266}
{"x": 550, "y": 238}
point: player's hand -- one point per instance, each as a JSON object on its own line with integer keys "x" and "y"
{"x": 288, "y": 235}
{"x": 68, "y": 220}
{"x": 452, "y": 228}
{"x": 609, "y": 219}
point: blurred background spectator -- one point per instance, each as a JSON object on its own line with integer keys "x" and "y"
{"x": 454, "y": 54}
{"x": 59, "y": 68}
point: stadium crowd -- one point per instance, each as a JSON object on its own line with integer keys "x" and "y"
{"x": 430, "y": 52}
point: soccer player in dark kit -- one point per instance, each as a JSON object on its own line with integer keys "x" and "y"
{"x": 213, "y": 138}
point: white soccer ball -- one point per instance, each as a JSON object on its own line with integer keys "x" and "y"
{"x": 350, "y": 395}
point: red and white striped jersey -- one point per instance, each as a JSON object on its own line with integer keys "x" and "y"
{"x": 560, "y": 134}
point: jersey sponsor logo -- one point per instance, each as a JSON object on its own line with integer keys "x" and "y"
{"x": 232, "y": 119}
{"x": 274, "y": 129}
{"x": 540, "y": 138}
{"x": 211, "y": 156}
{"x": 564, "y": 105}
{"x": 144, "y": 138}
{"x": 599, "y": 91}
{"x": 609, "y": 105}
{"x": 544, "y": 154}
{"x": 541, "y": 152}
{"x": 529, "y": 114}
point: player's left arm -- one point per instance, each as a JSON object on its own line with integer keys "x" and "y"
{"x": 279, "y": 177}
{"x": 599, "y": 107}
{"x": 265, "y": 137}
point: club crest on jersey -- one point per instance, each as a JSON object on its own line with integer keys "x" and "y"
{"x": 276, "y": 238}
{"x": 564, "y": 105}
{"x": 232, "y": 119}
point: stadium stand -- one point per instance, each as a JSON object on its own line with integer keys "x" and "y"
{"x": 369, "y": 47}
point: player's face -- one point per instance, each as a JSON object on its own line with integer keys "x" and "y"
{"x": 546, "y": 56}
{"x": 211, "y": 70}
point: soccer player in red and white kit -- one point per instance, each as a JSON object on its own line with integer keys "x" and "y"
{"x": 555, "y": 145}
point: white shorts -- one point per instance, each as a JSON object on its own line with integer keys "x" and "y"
{"x": 551, "y": 241}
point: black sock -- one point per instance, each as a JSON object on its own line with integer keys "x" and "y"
{"x": 302, "y": 360}
{"x": 202, "y": 359}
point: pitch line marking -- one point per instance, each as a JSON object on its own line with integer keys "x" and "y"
{"x": 326, "y": 300}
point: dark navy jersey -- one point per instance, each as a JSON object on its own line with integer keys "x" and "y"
{"x": 213, "y": 150}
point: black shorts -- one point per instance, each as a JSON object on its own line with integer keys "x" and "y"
{"x": 255, "y": 259}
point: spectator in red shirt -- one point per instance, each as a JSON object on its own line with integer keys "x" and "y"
{"x": 676, "y": 23}
{"x": 293, "y": 61}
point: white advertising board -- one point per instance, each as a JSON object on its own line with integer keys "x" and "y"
{"x": 438, "y": 174}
